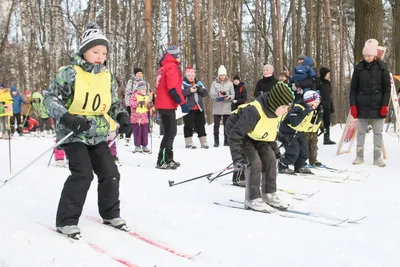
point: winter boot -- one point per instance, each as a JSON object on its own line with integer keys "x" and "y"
{"x": 226, "y": 140}
{"x": 282, "y": 168}
{"x": 316, "y": 164}
{"x": 145, "y": 149}
{"x": 189, "y": 143}
{"x": 328, "y": 141}
{"x": 162, "y": 161}
{"x": 118, "y": 223}
{"x": 216, "y": 140}
{"x": 377, "y": 157}
{"x": 170, "y": 159}
{"x": 360, "y": 156}
{"x": 273, "y": 200}
{"x": 304, "y": 170}
{"x": 203, "y": 142}
{"x": 71, "y": 231}
{"x": 138, "y": 149}
{"x": 258, "y": 204}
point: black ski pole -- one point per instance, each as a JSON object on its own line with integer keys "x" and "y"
{"x": 208, "y": 175}
{"x": 33, "y": 161}
{"x": 51, "y": 157}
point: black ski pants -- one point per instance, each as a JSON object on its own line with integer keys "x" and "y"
{"x": 262, "y": 166}
{"x": 326, "y": 119}
{"x": 83, "y": 161}
{"x": 296, "y": 151}
{"x": 168, "y": 119}
{"x": 194, "y": 118}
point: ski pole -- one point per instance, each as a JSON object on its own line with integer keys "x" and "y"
{"x": 51, "y": 157}
{"x": 208, "y": 175}
{"x": 41, "y": 155}
{"x": 9, "y": 144}
{"x": 114, "y": 140}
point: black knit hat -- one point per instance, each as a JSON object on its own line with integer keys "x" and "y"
{"x": 279, "y": 95}
{"x": 136, "y": 70}
{"x": 236, "y": 77}
{"x": 91, "y": 37}
{"x": 323, "y": 71}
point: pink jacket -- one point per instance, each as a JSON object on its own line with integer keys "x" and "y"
{"x": 139, "y": 114}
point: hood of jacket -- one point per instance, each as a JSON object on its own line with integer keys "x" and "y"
{"x": 37, "y": 95}
{"x": 168, "y": 59}
{"x": 308, "y": 61}
{"x": 78, "y": 60}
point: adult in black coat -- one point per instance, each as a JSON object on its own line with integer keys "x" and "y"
{"x": 240, "y": 93}
{"x": 268, "y": 81}
{"x": 325, "y": 91}
{"x": 369, "y": 99}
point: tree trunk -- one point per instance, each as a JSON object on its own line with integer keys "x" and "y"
{"x": 298, "y": 28}
{"x": 279, "y": 47}
{"x": 210, "y": 57}
{"x": 188, "y": 44}
{"x": 339, "y": 101}
{"x": 369, "y": 24}
{"x": 318, "y": 36}
{"x": 149, "y": 41}
{"x": 396, "y": 34}
{"x": 331, "y": 44}
{"x": 256, "y": 68}
{"x": 294, "y": 32}
{"x": 197, "y": 37}
{"x": 174, "y": 23}
{"x": 309, "y": 27}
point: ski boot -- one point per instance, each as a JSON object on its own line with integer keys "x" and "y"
{"x": 282, "y": 168}
{"x": 258, "y": 204}
{"x": 71, "y": 231}
{"x": 117, "y": 223}
{"x": 273, "y": 200}
{"x": 304, "y": 170}
{"x": 145, "y": 149}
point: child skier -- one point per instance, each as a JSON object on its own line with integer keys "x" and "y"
{"x": 252, "y": 131}
{"x": 5, "y": 111}
{"x": 77, "y": 100}
{"x": 301, "y": 118}
{"x": 40, "y": 113}
{"x": 140, "y": 106}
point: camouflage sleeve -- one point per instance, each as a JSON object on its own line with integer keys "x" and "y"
{"x": 116, "y": 106}
{"x": 60, "y": 92}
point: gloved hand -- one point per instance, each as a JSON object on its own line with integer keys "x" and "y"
{"x": 124, "y": 124}
{"x": 354, "y": 112}
{"x": 308, "y": 110}
{"x": 234, "y": 101}
{"x": 185, "y": 108}
{"x": 240, "y": 165}
{"x": 384, "y": 111}
{"x": 75, "y": 123}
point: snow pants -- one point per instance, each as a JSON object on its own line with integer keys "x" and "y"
{"x": 296, "y": 151}
{"x": 312, "y": 139}
{"x": 197, "y": 119}
{"x": 262, "y": 161}
{"x": 140, "y": 134}
{"x": 168, "y": 119}
{"x": 83, "y": 161}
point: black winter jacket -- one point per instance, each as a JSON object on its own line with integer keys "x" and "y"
{"x": 370, "y": 88}
{"x": 264, "y": 85}
{"x": 325, "y": 90}
{"x": 295, "y": 116}
{"x": 239, "y": 125}
{"x": 240, "y": 95}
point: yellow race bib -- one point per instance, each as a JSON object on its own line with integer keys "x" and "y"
{"x": 92, "y": 93}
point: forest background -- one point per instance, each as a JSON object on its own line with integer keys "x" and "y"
{"x": 37, "y": 37}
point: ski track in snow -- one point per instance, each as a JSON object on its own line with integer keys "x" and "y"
{"x": 184, "y": 219}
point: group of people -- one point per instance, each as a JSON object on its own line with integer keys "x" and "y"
{"x": 86, "y": 106}
{"x": 22, "y": 113}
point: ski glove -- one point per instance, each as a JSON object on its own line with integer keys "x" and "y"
{"x": 384, "y": 111}
{"x": 75, "y": 123}
{"x": 354, "y": 112}
{"x": 175, "y": 96}
{"x": 240, "y": 165}
{"x": 124, "y": 124}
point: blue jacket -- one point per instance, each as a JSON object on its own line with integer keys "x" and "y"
{"x": 194, "y": 98}
{"x": 17, "y": 101}
{"x": 304, "y": 71}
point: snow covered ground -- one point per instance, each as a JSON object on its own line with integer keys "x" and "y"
{"x": 185, "y": 220}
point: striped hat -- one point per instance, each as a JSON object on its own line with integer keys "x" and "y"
{"x": 311, "y": 96}
{"x": 174, "y": 51}
{"x": 91, "y": 37}
{"x": 279, "y": 95}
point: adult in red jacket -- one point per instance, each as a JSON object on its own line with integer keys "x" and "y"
{"x": 169, "y": 97}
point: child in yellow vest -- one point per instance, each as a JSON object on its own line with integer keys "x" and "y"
{"x": 292, "y": 133}
{"x": 5, "y": 111}
{"x": 140, "y": 106}
{"x": 78, "y": 99}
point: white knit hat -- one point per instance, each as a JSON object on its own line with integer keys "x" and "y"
{"x": 222, "y": 70}
{"x": 370, "y": 48}
{"x": 311, "y": 96}
{"x": 91, "y": 37}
